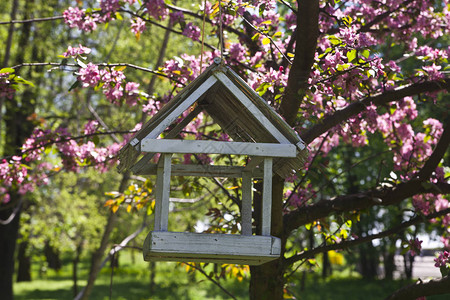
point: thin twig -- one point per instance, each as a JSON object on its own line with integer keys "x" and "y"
{"x": 212, "y": 280}
{"x": 31, "y": 20}
{"x": 349, "y": 243}
{"x": 13, "y": 214}
{"x": 270, "y": 39}
{"x": 100, "y": 120}
{"x": 288, "y": 6}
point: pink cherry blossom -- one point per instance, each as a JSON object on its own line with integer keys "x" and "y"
{"x": 75, "y": 51}
{"x": 137, "y": 26}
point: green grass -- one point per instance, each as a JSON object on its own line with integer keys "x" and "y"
{"x": 337, "y": 288}
{"x": 131, "y": 281}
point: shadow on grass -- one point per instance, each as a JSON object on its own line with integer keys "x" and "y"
{"x": 353, "y": 288}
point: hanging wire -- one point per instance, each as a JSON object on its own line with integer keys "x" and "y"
{"x": 221, "y": 31}
{"x": 203, "y": 35}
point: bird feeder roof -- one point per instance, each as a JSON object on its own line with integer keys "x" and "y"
{"x": 233, "y": 105}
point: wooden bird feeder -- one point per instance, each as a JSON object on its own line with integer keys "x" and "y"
{"x": 257, "y": 131}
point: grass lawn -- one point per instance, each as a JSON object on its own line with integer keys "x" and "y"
{"x": 131, "y": 281}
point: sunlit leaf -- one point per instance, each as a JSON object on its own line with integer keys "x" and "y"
{"x": 265, "y": 41}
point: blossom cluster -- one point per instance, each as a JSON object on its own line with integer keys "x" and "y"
{"x": 443, "y": 263}
{"x": 73, "y": 154}
{"x": 112, "y": 80}
{"x": 415, "y": 246}
{"x": 442, "y": 260}
{"x": 156, "y": 9}
{"x": 76, "y": 51}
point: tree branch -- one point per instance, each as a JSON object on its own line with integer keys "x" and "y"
{"x": 382, "y": 98}
{"x": 211, "y": 279}
{"x": 32, "y": 20}
{"x": 380, "y": 196}
{"x": 351, "y": 243}
{"x": 422, "y": 288}
{"x": 381, "y": 17}
{"x": 306, "y": 36}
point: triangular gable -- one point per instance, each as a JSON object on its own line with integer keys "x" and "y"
{"x": 223, "y": 87}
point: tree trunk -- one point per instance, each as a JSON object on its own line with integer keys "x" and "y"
{"x": 8, "y": 238}
{"x": 18, "y": 128}
{"x": 389, "y": 264}
{"x": 408, "y": 261}
{"x": 152, "y": 267}
{"x": 326, "y": 266}
{"x": 267, "y": 280}
{"x": 24, "y": 269}
{"x": 75, "y": 268}
{"x": 96, "y": 260}
{"x": 52, "y": 257}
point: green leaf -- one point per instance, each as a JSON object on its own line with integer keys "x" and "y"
{"x": 342, "y": 67}
{"x": 334, "y": 40}
{"x": 7, "y": 70}
{"x": 351, "y": 55}
{"x": 276, "y": 34}
{"x": 365, "y": 53}
{"x": 265, "y": 41}
{"x": 255, "y": 36}
{"x": 19, "y": 79}
{"x": 308, "y": 226}
{"x": 74, "y": 85}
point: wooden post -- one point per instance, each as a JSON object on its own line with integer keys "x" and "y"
{"x": 267, "y": 197}
{"x": 162, "y": 192}
{"x": 246, "y": 212}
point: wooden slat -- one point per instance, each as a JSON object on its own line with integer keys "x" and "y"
{"x": 246, "y": 211}
{"x": 253, "y": 163}
{"x": 202, "y": 171}
{"x": 215, "y": 147}
{"x": 174, "y": 114}
{"x": 225, "y": 248}
{"x": 252, "y": 108}
{"x": 162, "y": 192}
{"x": 172, "y": 134}
{"x": 267, "y": 197}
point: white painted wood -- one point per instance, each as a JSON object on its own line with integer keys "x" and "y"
{"x": 222, "y": 248}
{"x": 246, "y": 211}
{"x": 267, "y": 197}
{"x": 202, "y": 89}
{"x": 162, "y": 192}
{"x": 215, "y": 147}
{"x": 253, "y": 163}
{"x": 202, "y": 171}
{"x": 252, "y": 108}
{"x": 142, "y": 163}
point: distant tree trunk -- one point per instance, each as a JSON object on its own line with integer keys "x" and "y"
{"x": 389, "y": 265}
{"x": 152, "y": 267}
{"x": 24, "y": 269}
{"x": 97, "y": 256}
{"x": 368, "y": 261}
{"x": 75, "y": 262}
{"x": 408, "y": 261}
{"x": 52, "y": 257}
{"x": 326, "y": 266}
{"x": 8, "y": 238}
